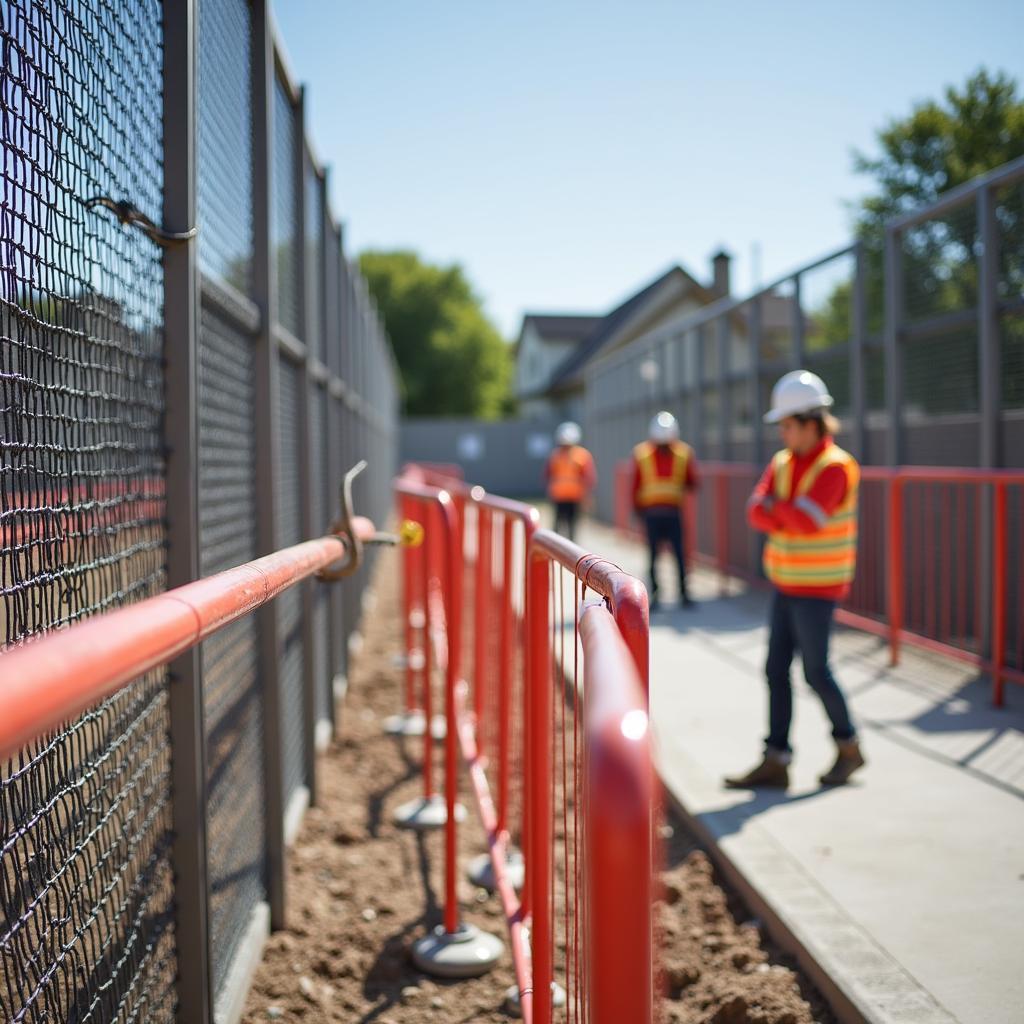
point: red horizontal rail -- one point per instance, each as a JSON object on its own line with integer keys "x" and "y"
{"x": 49, "y": 680}
{"x": 626, "y": 595}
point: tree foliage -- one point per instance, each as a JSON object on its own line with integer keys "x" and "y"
{"x": 451, "y": 358}
{"x": 941, "y": 144}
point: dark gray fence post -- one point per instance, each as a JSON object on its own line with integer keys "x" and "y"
{"x": 893, "y": 352}
{"x": 181, "y": 304}
{"x": 265, "y": 294}
{"x": 858, "y": 366}
{"x": 755, "y": 379}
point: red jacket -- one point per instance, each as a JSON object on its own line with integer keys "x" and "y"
{"x": 765, "y": 512}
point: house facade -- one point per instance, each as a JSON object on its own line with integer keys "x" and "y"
{"x": 553, "y": 351}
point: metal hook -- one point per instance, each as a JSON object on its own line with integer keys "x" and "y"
{"x": 342, "y": 527}
{"x": 127, "y": 213}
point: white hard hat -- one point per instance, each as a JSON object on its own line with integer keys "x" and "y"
{"x": 796, "y": 393}
{"x": 663, "y": 429}
{"x": 568, "y": 433}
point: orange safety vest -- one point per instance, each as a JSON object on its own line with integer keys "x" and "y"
{"x": 567, "y": 473}
{"x": 828, "y": 557}
{"x": 661, "y": 490}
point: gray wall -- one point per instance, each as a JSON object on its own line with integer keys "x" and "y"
{"x": 505, "y": 457}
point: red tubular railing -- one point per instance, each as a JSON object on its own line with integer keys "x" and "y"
{"x": 48, "y": 681}
{"x": 507, "y": 737}
{"x": 922, "y": 576}
{"x": 619, "y": 800}
{"x": 613, "y": 925}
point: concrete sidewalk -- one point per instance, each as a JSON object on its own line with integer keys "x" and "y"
{"x": 905, "y": 888}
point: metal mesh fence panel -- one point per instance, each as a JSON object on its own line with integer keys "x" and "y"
{"x": 321, "y": 522}
{"x": 314, "y": 263}
{"x": 940, "y": 273}
{"x": 225, "y": 177}
{"x": 233, "y": 708}
{"x": 284, "y": 228}
{"x": 290, "y": 602}
{"x": 85, "y": 882}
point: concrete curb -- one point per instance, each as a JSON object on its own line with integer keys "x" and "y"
{"x": 861, "y": 982}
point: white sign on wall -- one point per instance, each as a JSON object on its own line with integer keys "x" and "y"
{"x": 538, "y": 446}
{"x": 470, "y": 447}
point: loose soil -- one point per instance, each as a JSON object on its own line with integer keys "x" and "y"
{"x": 361, "y": 891}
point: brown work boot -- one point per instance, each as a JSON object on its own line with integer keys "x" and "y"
{"x": 848, "y": 760}
{"x": 772, "y": 772}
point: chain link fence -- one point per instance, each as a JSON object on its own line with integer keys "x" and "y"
{"x": 168, "y": 413}
{"x": 920, "y": 340}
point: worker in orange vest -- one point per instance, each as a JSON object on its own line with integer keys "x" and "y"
{"x": 806, "y": 502}
{"x": 570, "y": 476}
{"x": 664, "y": 469}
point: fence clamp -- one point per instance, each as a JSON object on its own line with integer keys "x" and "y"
{"x": 342, "y": 527}
{"x": 128, "y": 213}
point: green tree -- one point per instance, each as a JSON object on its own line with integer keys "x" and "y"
{"x": 452, "y": 360}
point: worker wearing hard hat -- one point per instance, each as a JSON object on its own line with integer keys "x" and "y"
{"x": 806, "y": 502}
{"x": 570, "y": 476}
{"x": 664, "y": 469}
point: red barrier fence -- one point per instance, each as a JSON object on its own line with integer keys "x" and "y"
{"x": 939, "y": 565}
{"x": 553, "y": 732}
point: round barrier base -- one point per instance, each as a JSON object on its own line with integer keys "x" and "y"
{"x": 481, "y": 870}
{"x": 464, "y": 953}
{"x": 423, "y": 813}
{"x": 413, "y": 723}
{"x": 512, "y": 999}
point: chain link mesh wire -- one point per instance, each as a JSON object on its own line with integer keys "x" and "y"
{"x": 225, "y": 129}
{"x": 1009, "y": 207}
{"x": 233, "y": 704}
{"x": 314, "y": 235}
{"x": 290, "y": 602}
{"x": 321, "y": 523}
{"x": 284, "y": 224}
{"x": 86, "y": 923}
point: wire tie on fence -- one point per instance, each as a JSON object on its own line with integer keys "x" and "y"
{"x": 129, "y": 214}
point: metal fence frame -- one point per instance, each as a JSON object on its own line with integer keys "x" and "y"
{"x": 348, "y": 408}
{"x": 699, "y": 364}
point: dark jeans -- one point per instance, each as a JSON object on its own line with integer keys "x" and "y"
{"x": 566, "y": 511}
{"x": 804, "y": 624}
{"x": 665, "y": 526}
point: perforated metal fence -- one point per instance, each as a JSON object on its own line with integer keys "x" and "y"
{"x": 920, "y": 340}
{"x": 167, "y": 413}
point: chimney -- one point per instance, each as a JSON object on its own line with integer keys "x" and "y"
{"x": 720, "y": 266}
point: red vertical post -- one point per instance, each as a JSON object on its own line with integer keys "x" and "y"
{"x": 481, "y": 600}
{"x": 539, "y": 778}
{"x": 409, "y": 585}
{"x": 619, "y": 813}
{"x": 453, "y": 567}
{"x": 505, "y": 677}
{"x": 998, "y": 592}
{"x": 633, "y": 619}
{"x": 895, "y": 575}
{"x": 427, "y": 560}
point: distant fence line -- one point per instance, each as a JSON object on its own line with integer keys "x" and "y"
{"x": 920, "y": 339}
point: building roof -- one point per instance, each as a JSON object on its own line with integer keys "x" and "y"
{"x": 608, "y": 325}
{"x": 562, "y": 326}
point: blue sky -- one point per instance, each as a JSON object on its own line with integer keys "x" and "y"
{"x": 566, "y": 152}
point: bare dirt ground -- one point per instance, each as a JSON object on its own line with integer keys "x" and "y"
{"x": 361, "y": 891}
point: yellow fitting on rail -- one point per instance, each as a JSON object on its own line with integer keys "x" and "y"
{"x": 410, "y": 533}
